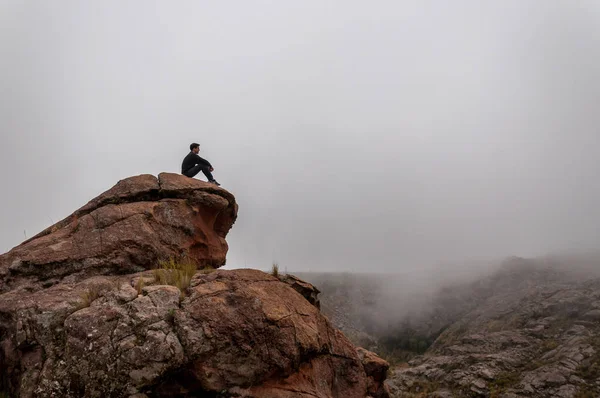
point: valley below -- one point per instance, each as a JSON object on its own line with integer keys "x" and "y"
{"x": 524, "y": 328}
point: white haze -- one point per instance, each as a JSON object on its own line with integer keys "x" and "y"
{"x": 357, "y": 136}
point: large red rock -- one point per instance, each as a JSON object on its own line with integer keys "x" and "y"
{"x": 127, "y": 229}
{"x": 75, "y": 321}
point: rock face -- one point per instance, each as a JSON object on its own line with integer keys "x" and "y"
{"x": 307, "y": 290}
{"x": 97, "y": 332}
{"x": 127, "y": 229}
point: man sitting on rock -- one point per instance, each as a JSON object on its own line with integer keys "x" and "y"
{"x": 193, "y": 164}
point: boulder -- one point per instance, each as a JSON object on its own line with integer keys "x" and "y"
{"x": 78, "y": 320}
{"x": 128, "y": 228}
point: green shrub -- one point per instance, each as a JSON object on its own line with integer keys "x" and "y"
{"x": 589, "y": 369}
{"x": 585, "y": 392}
{"x": 549, "y": 345}
{"x": 503, "y": 381}
{"x": 407, "y": 339}
{"x": 275, "y": 270}
{"x": 423, "y": 388}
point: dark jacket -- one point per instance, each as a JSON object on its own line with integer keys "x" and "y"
{"x": 191, "y": 160}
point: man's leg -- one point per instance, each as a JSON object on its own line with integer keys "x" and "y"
{"x": 198, "y": 168}
{"x": 192, "y": 172}
{"x": 207, "y": 173}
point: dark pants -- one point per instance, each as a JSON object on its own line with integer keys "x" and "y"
{"x": 196, "y": 169}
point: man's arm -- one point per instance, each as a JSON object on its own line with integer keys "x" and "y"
{"x": 203, "y": 161}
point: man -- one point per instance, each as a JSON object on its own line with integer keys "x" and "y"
{"x": 193, "y": 164}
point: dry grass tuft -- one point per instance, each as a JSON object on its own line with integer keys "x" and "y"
{"x": 177, "y": 273}
{"x": 140, "y": 285}
{"x": 88, "y": 296}
{"x": 275, "y": 270}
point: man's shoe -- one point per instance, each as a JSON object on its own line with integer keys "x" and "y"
{"x": 215, "y": 182}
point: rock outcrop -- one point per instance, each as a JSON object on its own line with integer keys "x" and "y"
{"x": 127, "y": 229}
{"x": 76, "y": 321}
{"x": 376, "y": 370}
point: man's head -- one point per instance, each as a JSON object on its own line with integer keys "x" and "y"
{"x": 195, "y": 147}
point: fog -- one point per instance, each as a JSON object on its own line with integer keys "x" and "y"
{"x": 361, "y": 137}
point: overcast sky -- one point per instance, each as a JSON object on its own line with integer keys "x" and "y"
{"x": 356, "y": 135}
